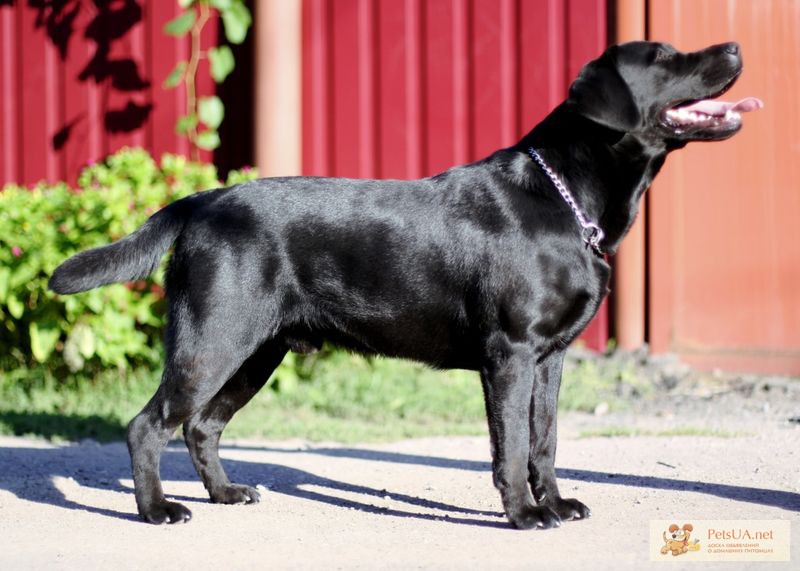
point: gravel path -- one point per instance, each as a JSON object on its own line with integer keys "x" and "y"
{"x": 412, "y": 504}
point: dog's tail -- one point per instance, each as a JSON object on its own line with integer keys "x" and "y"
{"x": 133, "y": 257}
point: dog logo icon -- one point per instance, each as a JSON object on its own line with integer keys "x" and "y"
{"x": 677, "y": 540}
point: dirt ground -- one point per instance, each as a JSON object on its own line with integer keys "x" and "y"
{"x": 425, "y": 504}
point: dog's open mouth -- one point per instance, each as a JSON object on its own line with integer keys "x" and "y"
{"x": 710, "y": 113}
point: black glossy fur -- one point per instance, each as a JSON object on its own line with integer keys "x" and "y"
{"x": 481, "y": 267}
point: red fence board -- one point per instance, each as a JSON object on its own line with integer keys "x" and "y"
{"x": 393, "y": 152}
{"x": 408, "y": 88}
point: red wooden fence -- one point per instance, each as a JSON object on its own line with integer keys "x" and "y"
{"x": 408, "y": 88}
{"x": 81, "y": 78}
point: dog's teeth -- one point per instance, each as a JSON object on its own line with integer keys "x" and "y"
{"x": 731, "y": 115}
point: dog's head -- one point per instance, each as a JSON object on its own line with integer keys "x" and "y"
{"x": 653, "y": 91}
{"x": 680, "y": 534}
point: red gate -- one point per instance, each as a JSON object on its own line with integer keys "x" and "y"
{"x": 724, "y": 260}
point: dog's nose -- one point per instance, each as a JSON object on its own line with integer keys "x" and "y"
{"x": 731, "y": 48}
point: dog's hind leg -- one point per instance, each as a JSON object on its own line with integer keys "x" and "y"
{"x": 202, "y": 431}
{"x": 201, "y": 356}
{"x": 541, "y": 460}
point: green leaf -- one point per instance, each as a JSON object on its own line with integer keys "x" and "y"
{"x": 23, "y": 274}
{"x": 5, "y": 274}
{"x": 83, "y": 337}
{"x": 208, "y": 140}
{"x": 186, "y": 124}
{"x": 222, "y": 63}
{"x": 221, "y": 4}
{"x": 72, "y": 356}
{"x": 185, "y": 3}
{"x": 15, "y": 307}
{"x": 44, "y": 337}
{"x": 236, "y": 20}
{"x": 181, "y": 25}
{"x": 175, "y": 76}
{"x": 287, "y": 382}
{"x": 211, "y": 111}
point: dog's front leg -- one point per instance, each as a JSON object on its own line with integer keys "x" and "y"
{"x": 544, "y": 409}
{"x": 507, "y": 383}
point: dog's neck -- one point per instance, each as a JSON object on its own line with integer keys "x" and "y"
{"x": 596, "y": 164}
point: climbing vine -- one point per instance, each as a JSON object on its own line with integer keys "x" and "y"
{"x": 205, "y": 114}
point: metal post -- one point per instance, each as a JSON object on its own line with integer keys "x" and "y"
{"x": 630, "y": 261}
{"x": 278, "y": 85}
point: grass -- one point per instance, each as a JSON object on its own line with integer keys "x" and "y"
{"x": 628, "y": 431}
{"x": 590, "y": 382}
{"x": 336, "y": 396}
{"x": 349, "y": 399}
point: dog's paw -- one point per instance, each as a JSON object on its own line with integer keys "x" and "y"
{"x": 235, "y": 494}
{"x": 166, "y": 512}
{"x": 534, "y": 517}
{"x": 569, "y": 508}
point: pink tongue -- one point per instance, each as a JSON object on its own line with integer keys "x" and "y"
{"x": 712, "y": 107}
{"x": 748, "y": 104}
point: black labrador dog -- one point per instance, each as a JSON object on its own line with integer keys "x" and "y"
{"x": 495, "y": 266}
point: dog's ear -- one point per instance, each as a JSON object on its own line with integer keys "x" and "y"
{"x": 673, "y": 528}
{"x": 601, "y": 94}
{"x": 688, "y": 527}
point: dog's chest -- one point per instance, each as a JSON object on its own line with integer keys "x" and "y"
{"x": 553, "y": 300}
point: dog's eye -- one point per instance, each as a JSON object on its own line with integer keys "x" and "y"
{"x": 663, "y": 55}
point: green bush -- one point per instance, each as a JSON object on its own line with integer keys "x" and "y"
{"x": 119, "y": 325}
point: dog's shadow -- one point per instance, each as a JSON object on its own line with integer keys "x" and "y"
{"x": 789, "y": 501}
{"x": 39, "y": 475}
{"x": 32, "y": 474}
